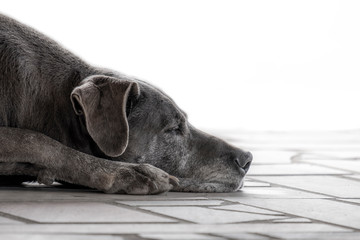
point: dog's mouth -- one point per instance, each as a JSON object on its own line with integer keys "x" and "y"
{"x": 241, "y": 185}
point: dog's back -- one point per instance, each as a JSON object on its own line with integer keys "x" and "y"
{"x": 35, "y": 72}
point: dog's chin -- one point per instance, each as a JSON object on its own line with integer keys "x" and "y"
{"x": 215, "y": 186}
{"x": 234, "y": 185}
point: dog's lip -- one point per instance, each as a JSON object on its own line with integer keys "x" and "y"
{"x": 241, "y": 185}
{"x": 242, "y": 172}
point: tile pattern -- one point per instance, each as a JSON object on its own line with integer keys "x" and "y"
{"x": 303, "y": 185}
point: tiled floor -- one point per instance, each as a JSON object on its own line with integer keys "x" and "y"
{"x": 300, "y": 186}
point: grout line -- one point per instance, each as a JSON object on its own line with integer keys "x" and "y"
{"x": 108, "y": 223}
{"x": 270, "y": 237}
{"x": 347, "y": 177}
{"x": 326, "y": 166}
{"x": 301, "y": 175}
{"x": 136, "y": 208}
{"x": 265, "y": 214}
{"x": 17, "y": 218}
{"x": 299, "y": 216}
{"x": 327, "y": 196}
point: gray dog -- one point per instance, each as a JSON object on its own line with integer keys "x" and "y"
{"x": 61, "y": 119}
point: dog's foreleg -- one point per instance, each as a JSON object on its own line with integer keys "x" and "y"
{"x": 19, "y": 169}
{"x": 60, "y": 162}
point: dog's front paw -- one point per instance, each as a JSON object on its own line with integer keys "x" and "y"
{"x": 139, "y": 179}
{"x": 46, "y": 177}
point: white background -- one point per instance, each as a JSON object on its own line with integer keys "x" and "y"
{"x": 251, "y": 65}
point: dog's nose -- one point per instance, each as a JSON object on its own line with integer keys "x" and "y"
{"x": 245, "y": 161}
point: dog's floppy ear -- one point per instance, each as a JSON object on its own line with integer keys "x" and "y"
{"x": 103, "y": 101}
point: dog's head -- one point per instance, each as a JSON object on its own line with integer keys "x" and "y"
{"x": 132, "y": 121}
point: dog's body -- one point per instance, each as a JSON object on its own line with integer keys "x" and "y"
{"x": 61, "y": 119}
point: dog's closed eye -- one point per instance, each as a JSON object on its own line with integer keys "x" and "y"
{"x": 177, "y": 130}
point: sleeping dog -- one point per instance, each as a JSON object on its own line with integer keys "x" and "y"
{"x": 62, "y": 119}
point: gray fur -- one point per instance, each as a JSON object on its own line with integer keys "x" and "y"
{"x": 62, "y": 119}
